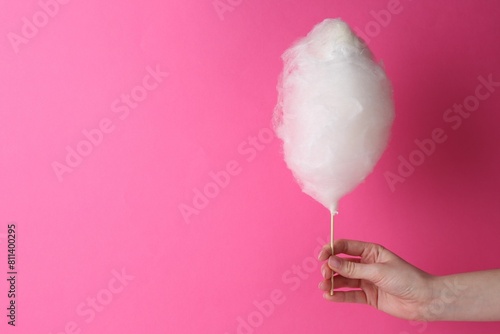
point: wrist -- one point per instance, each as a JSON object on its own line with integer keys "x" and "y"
{"x": 431, "y": 308}
{"x": 441, "y": 302}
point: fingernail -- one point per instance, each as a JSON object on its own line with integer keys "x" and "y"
{"x": 323, "y": 272}
{"x": 334, "y": 262}
{"x": 319, "y": 255}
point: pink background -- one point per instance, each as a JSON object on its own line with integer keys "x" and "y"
{"x": 120, "y": 208}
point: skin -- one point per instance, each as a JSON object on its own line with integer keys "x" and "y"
{"x": 373, "y": 275}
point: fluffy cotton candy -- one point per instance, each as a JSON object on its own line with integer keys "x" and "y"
{"x": 334, "y": 111}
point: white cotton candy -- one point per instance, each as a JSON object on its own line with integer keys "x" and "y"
{"x": 334, "y": 111}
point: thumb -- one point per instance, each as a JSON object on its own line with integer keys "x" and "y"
{"x": 354, "y": 270}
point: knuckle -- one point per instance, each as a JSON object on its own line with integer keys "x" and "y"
{"x": 349, "y": 268}
{"x": 375, "y": 252}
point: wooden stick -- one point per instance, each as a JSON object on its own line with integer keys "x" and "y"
{"x": 331, "y": 245}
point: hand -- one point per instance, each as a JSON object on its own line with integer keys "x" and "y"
{"x": 377, "y": 277}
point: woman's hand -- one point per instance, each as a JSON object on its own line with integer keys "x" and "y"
{"x": 377, "y": 277}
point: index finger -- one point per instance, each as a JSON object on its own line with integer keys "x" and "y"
{"x": 325, "y": 253}
{"x": 352, "y": 247}
{"x": 344, "y": 246}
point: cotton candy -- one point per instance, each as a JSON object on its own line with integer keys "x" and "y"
{"x": 334, "y": 111}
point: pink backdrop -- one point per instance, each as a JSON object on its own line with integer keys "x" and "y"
{"x": 150, "y": 196}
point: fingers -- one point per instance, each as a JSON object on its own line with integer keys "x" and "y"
{"x": 325, "y": 253}
{"x": 352, "y": 269}
{"x": 349, "y": 247}
{"x": 355, "y": 296}
{"x": 326, "y": 271}
{"x": 353, "y": 247}
{"x": 340, "y": 282}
